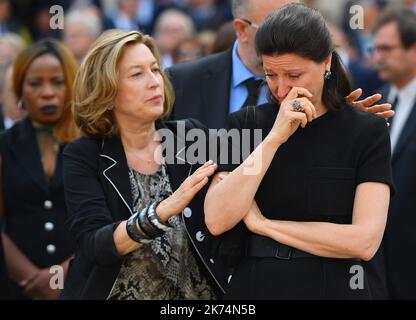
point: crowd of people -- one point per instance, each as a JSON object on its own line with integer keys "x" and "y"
{"x": 87, "y": 182}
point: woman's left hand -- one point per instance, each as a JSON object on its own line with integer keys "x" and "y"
{"x": 254, "y": 219}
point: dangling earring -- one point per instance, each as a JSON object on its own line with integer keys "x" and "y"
{"x": 110, "y": 107}
{"x": 20, "y": 104}
{"x": 327, "y": 74}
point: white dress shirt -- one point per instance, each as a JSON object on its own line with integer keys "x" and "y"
{"x": 8, "y": 123}
{"x": 238, "y": 91}
{"x": 406, "y": 101}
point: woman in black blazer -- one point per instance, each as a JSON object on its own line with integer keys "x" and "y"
{"x": 137, "y": 237}
{"x": 34, "y": 206}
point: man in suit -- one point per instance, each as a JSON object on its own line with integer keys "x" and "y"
{"x": 210, "y": 88}
{"x": 395, "y": 56}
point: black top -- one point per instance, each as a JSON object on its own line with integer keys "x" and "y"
{"x": 313, "y": 177}
{"x": 35, "y": 210}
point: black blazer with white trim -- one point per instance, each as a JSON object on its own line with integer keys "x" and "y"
{"x": 98, "y": 197}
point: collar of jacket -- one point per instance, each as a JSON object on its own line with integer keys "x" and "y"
{"x": 116, "y": 168}
{"x": 24, "y": 146}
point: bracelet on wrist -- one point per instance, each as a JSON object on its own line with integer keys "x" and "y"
{"x": 133, "y": 231}
{"x": 155, "y": 220}
{"x": 147, "y": 227}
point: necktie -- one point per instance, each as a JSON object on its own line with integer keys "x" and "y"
{"x": 253, "y": 87}
{"x": 393, "y": 107}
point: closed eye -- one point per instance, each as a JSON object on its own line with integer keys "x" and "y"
{"x": 294, "y": 76}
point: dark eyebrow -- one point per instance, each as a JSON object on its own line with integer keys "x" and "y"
{"x": 38, "y": 76}
{"x": 287, "y": 70}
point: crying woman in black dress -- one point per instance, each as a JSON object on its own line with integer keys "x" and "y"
{"x": 317, "y": 206}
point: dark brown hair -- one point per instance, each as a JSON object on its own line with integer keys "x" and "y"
{"x": 406, "y": 24}
{"x": 298, "y": 29}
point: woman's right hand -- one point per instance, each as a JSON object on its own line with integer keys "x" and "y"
{"x": 288, "y": 120}
{"x": 178, "y": 201}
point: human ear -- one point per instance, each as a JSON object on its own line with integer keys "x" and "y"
{"x": 240, "y": 28}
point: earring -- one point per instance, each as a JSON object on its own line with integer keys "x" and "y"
{"x": 20, "y": 104}
{"x": 327, "y": 74}
{"x": 110, "y": 107}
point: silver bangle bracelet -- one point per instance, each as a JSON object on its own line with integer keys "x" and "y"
{"x": 133, "y": 231}
{"x": 147, "y": 227}
{"x": 155, "y": 220}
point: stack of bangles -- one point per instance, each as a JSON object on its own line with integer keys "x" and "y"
{"x": 145, "y": 226}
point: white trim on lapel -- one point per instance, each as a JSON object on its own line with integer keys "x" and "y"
{"x": 115, "y": 163}
{"x": 111, "y": 182}
{"x": 177, "y": 156}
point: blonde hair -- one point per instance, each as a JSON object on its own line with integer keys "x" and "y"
{"x": 95, "y": 86}
{"x": 64, "y": 130}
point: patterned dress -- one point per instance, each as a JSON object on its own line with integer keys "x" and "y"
{"x": 166, "y": 268}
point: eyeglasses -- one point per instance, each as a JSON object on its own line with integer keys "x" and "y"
{"x": 252, "y": 24}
